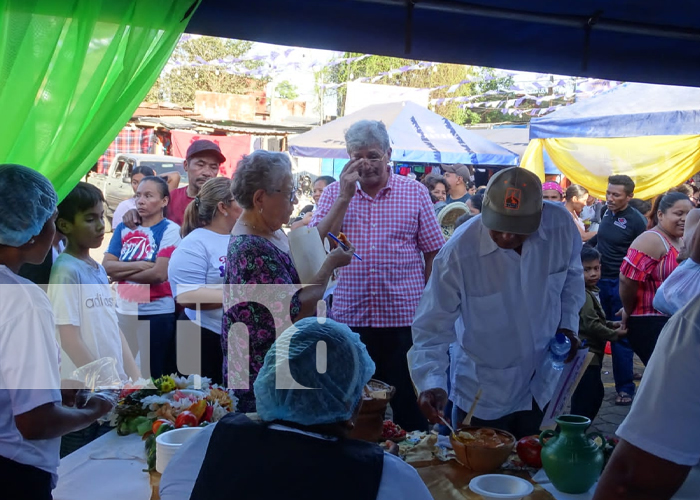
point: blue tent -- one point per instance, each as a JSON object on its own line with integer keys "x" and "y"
{"x": 628, "y": 110}
{"x": 417, "y": 135}
{"x": 515, "y": 138}
{"x": 629, "y": 40}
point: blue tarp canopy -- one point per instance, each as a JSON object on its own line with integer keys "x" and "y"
{"x": 514, "y": 138}
{"x": 629, "y": 40}
{"x": 417, "y": 135}
{"x": 628, "y": 110}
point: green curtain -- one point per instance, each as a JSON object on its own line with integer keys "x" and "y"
{"x": 72, "y": 72}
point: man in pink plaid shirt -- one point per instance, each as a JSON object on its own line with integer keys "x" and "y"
{"x": 391, "y": 222}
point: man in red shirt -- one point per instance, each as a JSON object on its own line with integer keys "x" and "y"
{"x": 391, "y": 222}
{"x": 202, "y": 163}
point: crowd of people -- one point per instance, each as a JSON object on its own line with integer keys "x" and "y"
{"x": 207, "y": 268}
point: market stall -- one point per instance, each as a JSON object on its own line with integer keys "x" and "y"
{"x": 516, "y": 139}
{"x": 419, "y": 139}
{"x": 151, "y": 416}
{"x": 649, "y": 132}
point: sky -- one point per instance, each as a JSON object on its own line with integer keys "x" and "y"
{"x": 299, "y": 65}
{"x": 303, "y": 75}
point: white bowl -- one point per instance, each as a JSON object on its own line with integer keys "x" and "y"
{"x": 168, "y": 443}
{"x": 500, "y": 487}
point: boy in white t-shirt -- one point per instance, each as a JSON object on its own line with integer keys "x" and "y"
{"x": 86, "y": 320}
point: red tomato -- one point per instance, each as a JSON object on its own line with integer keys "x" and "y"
{"x": 186, "y": 418}
{"x": 528, "y": 449}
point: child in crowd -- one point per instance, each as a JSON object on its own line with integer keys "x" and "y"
{"x": 140, "y": 256}
{"x": 81, "y": 298}
{"x": 595, "y": 331}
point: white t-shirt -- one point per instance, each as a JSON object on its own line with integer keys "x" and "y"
{"x": 81, "y": 296}
{"x": 123, "y": 208}
{"x": 399, "y": 480}
{"x": 29, "y": 359}
{"x": 664, "y": 417}
{"x": 197, "y": 261}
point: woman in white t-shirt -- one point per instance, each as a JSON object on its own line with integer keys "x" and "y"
{"x": 196, "y": 269}
{"x": 34, "y": 411}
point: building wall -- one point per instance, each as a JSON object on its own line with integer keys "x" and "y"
{"x": 283, "y": 108}
{"x": 217, "y": 106}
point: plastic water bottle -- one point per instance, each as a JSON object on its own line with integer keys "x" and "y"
{"x": 559, "y": 348}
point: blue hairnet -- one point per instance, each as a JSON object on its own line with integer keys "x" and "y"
{"x": 27, "y": 201}
{"x": 333, "y": 394}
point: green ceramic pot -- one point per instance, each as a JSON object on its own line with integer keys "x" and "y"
{"x": 571, "y": 459}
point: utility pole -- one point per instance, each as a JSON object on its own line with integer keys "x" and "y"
{"x": 321, "y": 95}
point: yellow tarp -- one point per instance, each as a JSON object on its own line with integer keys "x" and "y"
{"x": 655, "y": 163}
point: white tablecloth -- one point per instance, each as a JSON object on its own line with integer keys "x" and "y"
{"x": 110, "y": 468}
{"x": 542, "y": 479}
{"x": 114, "y": 468}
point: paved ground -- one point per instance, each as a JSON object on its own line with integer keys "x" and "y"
{"x": 611, "y": 416}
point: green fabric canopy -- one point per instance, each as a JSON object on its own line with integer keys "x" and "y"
{"x": 72, "y": 72}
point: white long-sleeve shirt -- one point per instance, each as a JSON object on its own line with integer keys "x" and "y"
{"x": 509, "y": 306}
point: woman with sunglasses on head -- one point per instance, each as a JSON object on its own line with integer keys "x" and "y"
{"x": 258, "y": 254}
{"x": 196, "y": 269}
{"x": 137, "y": 175}
{"x": 140, "y": 256}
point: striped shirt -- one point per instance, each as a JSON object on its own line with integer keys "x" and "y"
{"x": 390, "y": 232}
{"x": 650, "y": 273}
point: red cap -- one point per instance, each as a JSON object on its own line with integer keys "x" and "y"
{"x": 197, "y": 148}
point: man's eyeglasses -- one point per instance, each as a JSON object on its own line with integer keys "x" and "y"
{"x": 373, "y": 161}
{"x": 292, "y": 195}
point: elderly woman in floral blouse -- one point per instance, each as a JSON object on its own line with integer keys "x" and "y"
{"x": 258, "y": 254}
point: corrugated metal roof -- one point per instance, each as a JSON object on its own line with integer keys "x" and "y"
{"x": 153, "y": 109}
{"x": 253, "y": 128}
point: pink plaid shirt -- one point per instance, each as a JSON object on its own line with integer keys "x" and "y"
{"x": 390, "y": 232}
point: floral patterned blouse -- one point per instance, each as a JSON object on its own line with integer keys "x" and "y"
{"x": 253, "y": 260}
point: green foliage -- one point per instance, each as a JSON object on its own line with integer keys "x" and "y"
{"x": 179, "y": 84}
{"x": 489, "y": 82}
{"x": 286, "y": 90}
{"x": 442, "y": 74}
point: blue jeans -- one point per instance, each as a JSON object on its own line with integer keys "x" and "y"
{"x": 622, "y": 353}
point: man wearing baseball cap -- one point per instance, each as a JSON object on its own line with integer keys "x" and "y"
{"x": 201, "y": 164}
{"x": 510, "y": 278}
{"x": 457, "y": 177}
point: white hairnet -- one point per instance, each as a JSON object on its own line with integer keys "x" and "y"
{"x": 333, "y": 394}
{"x": 27, "y": 201}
